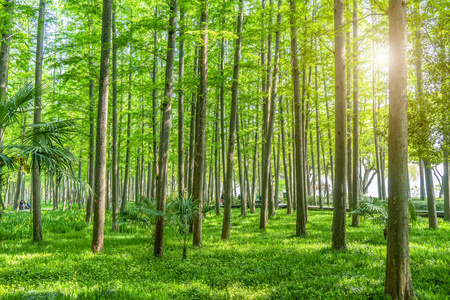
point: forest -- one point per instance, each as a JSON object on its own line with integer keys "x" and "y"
{"x": 218, "y": 149}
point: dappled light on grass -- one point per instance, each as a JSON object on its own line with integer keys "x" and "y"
{"x": 253, "y": 264}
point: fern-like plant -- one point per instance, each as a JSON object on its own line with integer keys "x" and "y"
{"x": 372, "y": 209}
{"x": 181, "y": 211}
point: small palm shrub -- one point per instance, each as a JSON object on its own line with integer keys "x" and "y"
{"x": 181, "y": 211}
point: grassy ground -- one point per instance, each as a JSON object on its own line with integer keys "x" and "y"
{"x": 253, "y": 264}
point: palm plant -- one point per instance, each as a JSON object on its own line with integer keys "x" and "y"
{"x": 42, "y": 144}
{"x": 10, "y": 109}
{"x": 181, "y": 211}
{"x": 143, "y": 213}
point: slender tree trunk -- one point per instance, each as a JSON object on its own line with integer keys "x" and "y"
{"x": 226, "y": 226}
{"x": 339, "y": 198}
{"x": 102, "y": 119}
{"x": 277, "y": 174}
{"x": 200, "y": 126}
{"x": 375, "y": 123}
{"x": 4, "y": 56}
{"x": 349, "y": 157}
{"x": 432, "y": 216}
{"x": 222, "y": 108}
{"x": 90, "y": 199}
{"x": 285, "y": 167}
{"x": 137, "y": 180}
{"x": 241, "y": 171}
{"x": 35, "y": 172}
{"x": 181, "y": 106}
{"x": 126, "y": 187}
{"x": 313, "y": 168}
{"x": 255, "y": 175}
{"x": 217, "y": 164}
{"x": 330, "y": 143}
{"x": 154, "y": 94}
{"x": 446, "y": 184}
{"x": 356, "y": 184}
{"x": 319, "y": 175}
{"x": 301, "y": 221}
{"x": 158, "y": 248}
{"x": 398, "y": 284}
{"x": 115, "y": 181}
{"x": 192, "y": 132}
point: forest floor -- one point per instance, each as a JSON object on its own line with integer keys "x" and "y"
{"x": 253, "y": 265}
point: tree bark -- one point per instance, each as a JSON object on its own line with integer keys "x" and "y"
{"x": 375, "y": 122}
{"x": 35, "y": 172}
{"x": 301, "y": 221}
{"x": 446, "y": 184}
{"x": 356, "y": 184}
{"x": 319, "y": 175}
{"x": 285, "y": 167}
{"x": 114, "y": 184}
{"x": 163, "y": 158}
{"x": 200, "y": 126}
{"x": 154, "y": 112}
{"x": 226, "y": 226}
{"x": 339, "y": 198}
{"x": 181, "y": 106}
{"x": 268, "y": 122}
{"x": 241, "y": 171}
{"x": 101, "y": 139}
{"x": 432, "y": 215}
{"x": 398, "y": 284}
{"x": 4, "y": 56}
{"x": 90, "y": 199}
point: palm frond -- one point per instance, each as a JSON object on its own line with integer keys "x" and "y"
{"x": 7, "y": 161}
{"x": 18, "y": 103}
{"x": 50, "y": 134}
{"x": 372, "y": 209}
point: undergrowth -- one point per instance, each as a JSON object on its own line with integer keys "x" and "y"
{"x": 274, "y": 264}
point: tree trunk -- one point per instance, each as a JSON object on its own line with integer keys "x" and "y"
{"x": 90, "y": 199}
{"x": 226, "y": 226}
{"x": 319, "y": 175}
{"x": 339, "y": 198}
{"x": 356, "y": 184}
{"x": 200, "y": 126}
{"x": 192, "y": 131}
{"x": 35, "y": 172}
{"x": 330, "y": 143}
{"x": 115, "y": 181}
{"x": 285, "y": 167}
{"x": 398, "y": 284}
{"x": 446, "y": 184}
{"x": 241, "y": 171}
{"x": 154, "y": 111}
{"x": 125, "y": 192}
{"x": 217, "y": 165}
{"x": 4, "y": 55}
{"x": 181, "y": 107}
{"x": 269, "y": 120}
{"x": 301, "y": 221}
{"x": 313, "y": 168}
{"x": 277, "y": 175}
{"x": 375, "y": 123}
{"x": 349, "y": 157}
{"x": 102, "y": 119}
{"x": 432, "y": 216}
{"x": 163, "y": 158}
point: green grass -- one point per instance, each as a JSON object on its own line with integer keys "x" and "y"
{"x": 253, "y": 265}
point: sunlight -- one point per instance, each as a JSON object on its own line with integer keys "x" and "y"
{"x": 382, "y": 57}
